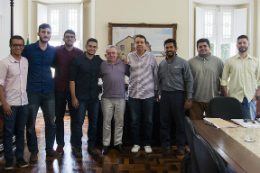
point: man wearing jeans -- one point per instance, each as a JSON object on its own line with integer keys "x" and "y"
{"x": 112, "y": 73}
{"x": 244, "y": 75}
{"x": 40, "y": 91}
{"x": 13, "y": 98}
{"x": 84, "y": 72}
{"x": 62, "y": 61}
{"x": 174, "y": 79}
{"x": 143, "y": 85}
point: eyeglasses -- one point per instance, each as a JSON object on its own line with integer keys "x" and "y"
{"x": 69, "y": 37}
{"x": 111, "y": 53}
{"x": 16, "y": 45}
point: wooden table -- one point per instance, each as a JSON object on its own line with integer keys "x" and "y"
{"x": 232, "y": 151}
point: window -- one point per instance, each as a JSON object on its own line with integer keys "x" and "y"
{"x": 222, "y": 26}
{"x": 62, "y": 17}
{"x": 122, "y": 47}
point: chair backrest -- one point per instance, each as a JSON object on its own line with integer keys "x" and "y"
{"x": 190, "y": 132}
{"x": 226, "y": 108}
{"x": 208, "y": 159}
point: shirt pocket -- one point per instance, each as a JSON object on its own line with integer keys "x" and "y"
{"x": 147, "y": 67}
{"x": 175, "y": 70}
{"x": 162, "y": 73}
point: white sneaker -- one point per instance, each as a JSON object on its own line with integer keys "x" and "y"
{"x": 148, "y": 149}
{"x": 135, "y": 149}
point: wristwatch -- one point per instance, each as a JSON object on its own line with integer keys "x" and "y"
{"x": 257, "y": 97}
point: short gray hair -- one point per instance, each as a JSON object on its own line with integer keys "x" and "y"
{"x": 110, "y": 46}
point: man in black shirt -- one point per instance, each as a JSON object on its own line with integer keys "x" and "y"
{"x": 84, "y": 72}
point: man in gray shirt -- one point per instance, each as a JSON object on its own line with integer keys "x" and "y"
{"x": 112, "y": 73}
{"x": 207, "y": 71}
{"x": 175, "y": 79}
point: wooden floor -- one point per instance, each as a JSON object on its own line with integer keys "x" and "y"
{"x": 112, "y": 162}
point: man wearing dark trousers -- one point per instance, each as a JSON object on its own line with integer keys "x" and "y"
{"x": 13, "y": 101}
{"x": 62, "y": 61}
{"x": 174, "y": 79}
{"x": 40, "y": 91}
{"x": 84, "y": 73}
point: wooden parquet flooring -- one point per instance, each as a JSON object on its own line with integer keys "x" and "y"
{"x": 113, "y": 162}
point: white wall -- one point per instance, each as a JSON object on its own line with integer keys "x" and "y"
{"x": 5, "y": 28}
{"x": 139, "y": 11}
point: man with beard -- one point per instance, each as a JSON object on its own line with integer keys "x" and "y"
{"x": 174, "y": 79}
{"x": 62, "y": 61}
{"x": 40, "y": 91}
{"x": 84, "y": 72}
{"x": 207, "y": 71}
{"x": 244, "y": 75}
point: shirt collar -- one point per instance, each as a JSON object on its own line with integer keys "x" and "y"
{"x": 117, "y": 61}
{"x": 37, "y": 45}
{"x": 142, "y": 55}
{"x": 248, "y": 56}
{"x": 64, "y": 48}
{"x": 176, "y": 57}
{"x": 12, "y": 59}
{"x": 205, "y": 58}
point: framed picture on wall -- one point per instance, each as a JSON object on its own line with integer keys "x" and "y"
{"x": 122, "y": 35}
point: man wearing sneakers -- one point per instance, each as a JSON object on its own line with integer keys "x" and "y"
{"x": 13, "y": 101}
{"x": 143, "y": 85}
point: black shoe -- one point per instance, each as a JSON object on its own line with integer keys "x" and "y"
{"x": 21, "y": 162}
{"x": 105, "y": 150}
{"x": 92, "y": 151}
{"x": 77, "y": 152}
{"x": 163, "y": 149}
{"x": 120, "y": 149}
{"x": 9, "y": 165}
{"x": 180, "y": 151}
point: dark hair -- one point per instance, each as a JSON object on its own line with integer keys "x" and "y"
{"x": 242, "y": 36}
{"x": 202, "y": 40}
{"x": 92, "y": 40}
{"x": 18, "y": 37}
{"x": 140, "y": 36}
{"x": 171, "y": 41}
{"x": 43, "y": 26}
{"x": 70, "y": 31}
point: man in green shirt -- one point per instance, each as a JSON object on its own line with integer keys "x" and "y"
{"x": 243, "y": 71}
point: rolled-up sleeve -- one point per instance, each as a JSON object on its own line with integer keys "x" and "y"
{"x": 3, "y": 72}
{"x": 225, "y": 74}
{"x": 188, "y": 79}
{"x": 258, "y": 74}
{"x": 73, "y": 70}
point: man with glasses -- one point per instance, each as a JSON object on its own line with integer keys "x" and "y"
{"x": 40, "y": 91}
{"x": 84, "y": 72}
{"x": 112, "y": 73}
{"x": 13, "y": 101}
{"x": 62, "y": 61}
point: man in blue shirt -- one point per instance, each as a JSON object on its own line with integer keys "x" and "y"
{"x": 40, "y": 91}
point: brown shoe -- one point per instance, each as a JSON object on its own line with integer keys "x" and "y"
{"x": 59, "y": 149}
{"x": 53, "y": 154}
{"x": 180, "y": 151}
{"x": 34, "y": 157}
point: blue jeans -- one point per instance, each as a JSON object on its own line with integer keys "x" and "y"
{"x": 14, "y": 124}
{"x": 172, "y": 106}
{"x": 144, "y": 108}
{"x": 61, "y": 99}
{"x": 47, "y": 103}
{"x": 92, "y": 105}
{"x": 249, "y": 109}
